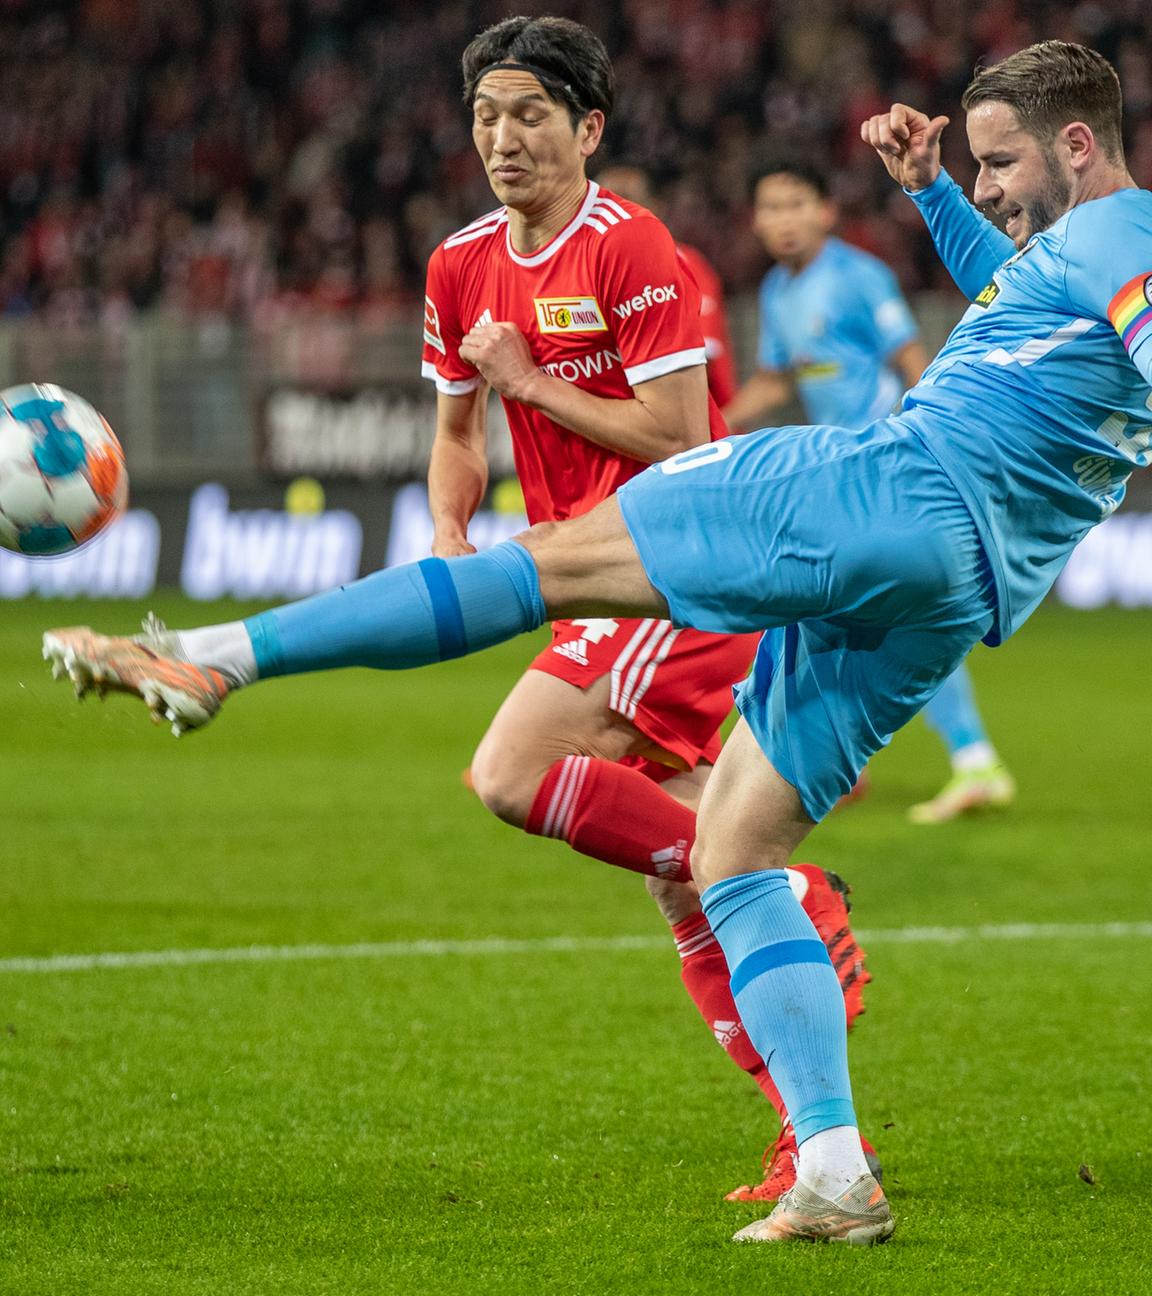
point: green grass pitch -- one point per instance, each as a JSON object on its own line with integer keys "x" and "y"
{"x": 530, "y": 1118}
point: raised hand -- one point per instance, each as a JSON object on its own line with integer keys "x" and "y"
{"x": 908, "y": 142}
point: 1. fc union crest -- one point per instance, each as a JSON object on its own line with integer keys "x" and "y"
{"x": 569, "y": 315}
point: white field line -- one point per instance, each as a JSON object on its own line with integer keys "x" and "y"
{"x": 544, "y": 945}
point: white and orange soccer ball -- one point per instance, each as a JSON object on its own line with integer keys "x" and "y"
{"x": 62, "y": 473}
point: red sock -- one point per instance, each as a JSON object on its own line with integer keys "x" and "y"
{"x": 615, "y": 814}
{"x": 705, "y": 975}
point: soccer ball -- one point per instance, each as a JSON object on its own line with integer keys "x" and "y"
{"x": 62, "y": 474}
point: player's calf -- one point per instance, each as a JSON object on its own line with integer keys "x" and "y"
{"x": 613, "y": 813}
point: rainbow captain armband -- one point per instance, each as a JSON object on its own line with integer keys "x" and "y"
{"x": 1130, "y": 311}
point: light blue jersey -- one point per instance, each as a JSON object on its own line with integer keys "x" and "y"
{"x": 1040, "y": 403}
{"x": 879, "y": 556}
{"x": 833, "y": 326}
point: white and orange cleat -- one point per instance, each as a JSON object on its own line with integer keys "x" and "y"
{"x": 174, "y": 691}
{"x": 859, "y": 1216}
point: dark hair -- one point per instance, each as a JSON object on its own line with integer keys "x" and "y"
{"x": 568, "y": 59}
{"x": 806, "y": 172}
{"x": 1051, "y": 84}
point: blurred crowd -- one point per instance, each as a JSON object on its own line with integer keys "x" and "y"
{"x": 264, "y": 159}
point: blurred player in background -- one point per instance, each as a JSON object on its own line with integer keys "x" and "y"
{"x": 836, "y": 332}
{"x": 576, "y": 306}
{"x": 632, "y": 182}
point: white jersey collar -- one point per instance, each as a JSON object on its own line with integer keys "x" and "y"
{"x": 557, "y": 241}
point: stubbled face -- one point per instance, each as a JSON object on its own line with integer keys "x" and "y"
{"x": 1022, "y": 179}
{"x": 525, "y": 140}
{"x": 791, "y": 219}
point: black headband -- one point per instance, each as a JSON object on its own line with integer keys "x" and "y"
{"x": 549, "y": 80}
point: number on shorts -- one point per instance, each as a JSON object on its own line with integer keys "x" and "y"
{"x": 697, "y": 457}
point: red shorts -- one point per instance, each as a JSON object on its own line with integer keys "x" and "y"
{"x": 674, "y": 685}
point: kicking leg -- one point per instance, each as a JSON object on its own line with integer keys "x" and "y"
{"x": 392, "y": 620}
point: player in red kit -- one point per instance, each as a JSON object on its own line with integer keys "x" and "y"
{"x": 572, "y": 303}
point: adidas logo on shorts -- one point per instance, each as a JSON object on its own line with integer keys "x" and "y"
{"x": 576, "y": 651}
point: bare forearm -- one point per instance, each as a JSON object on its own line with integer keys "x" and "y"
{"x": 760, "y": 395}
{"x": 645, "y": 430}
{"x": 666, "y": 414}
{"x": 910, "y": 361}
{"x": 457, "y": 480}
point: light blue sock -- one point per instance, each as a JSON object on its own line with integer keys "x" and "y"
{"x": 789, "y": 998}
{"x": 405, "y": 616}
{"x": 952, "y": 712}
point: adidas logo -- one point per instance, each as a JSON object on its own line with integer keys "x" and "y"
{"x": 670, "y": 859}
{"x": 486, "y": 318}
{"x": 576, "y": 651}
{"x": 726, "y": 1031}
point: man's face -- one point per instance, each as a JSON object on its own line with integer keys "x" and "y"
{"x": 791, "y": 218}
{"x": 1022, "y": 179}
{"x": 525, "y": 139}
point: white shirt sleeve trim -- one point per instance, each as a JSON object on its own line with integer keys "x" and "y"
{"x": 662, "y": 365}
{"x": 446, "y": 385}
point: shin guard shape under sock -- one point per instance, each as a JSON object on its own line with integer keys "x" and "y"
{"x": 404, "y": 616}
{"x": 789, "y": 998}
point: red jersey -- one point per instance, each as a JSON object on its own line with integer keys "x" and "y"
{"x": 713, "y": 324}
{"x": 607, "y": 304}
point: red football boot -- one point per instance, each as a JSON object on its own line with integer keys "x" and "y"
{"x": 779, "y": 1163}
{"x": 826, "y": 903}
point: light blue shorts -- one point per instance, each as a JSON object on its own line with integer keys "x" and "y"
{"x": 852, "y": 550}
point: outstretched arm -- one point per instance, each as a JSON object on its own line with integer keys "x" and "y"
{"x": 970, "y": 246}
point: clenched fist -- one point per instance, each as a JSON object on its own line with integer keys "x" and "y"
{"x": 908, "y": 142}
{"x": 500, "y": 351}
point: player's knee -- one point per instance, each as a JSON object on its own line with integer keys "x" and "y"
{"x": 502, "y": 788}
{"x": 538, "y": 538}
{"x": 703, "y": 861}
{"x": 714, "y": 858}
{"x": 675, "y": 900}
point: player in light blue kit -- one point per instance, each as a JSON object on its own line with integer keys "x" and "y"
{"x": 874, "y": 559}
{"x": 836, "y": 331}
